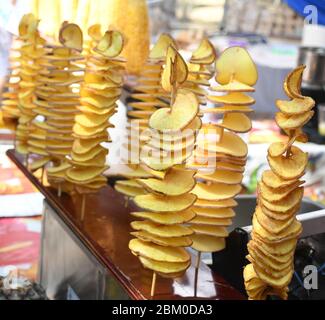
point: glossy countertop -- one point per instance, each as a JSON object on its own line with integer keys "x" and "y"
{"x": 105, "y": 231}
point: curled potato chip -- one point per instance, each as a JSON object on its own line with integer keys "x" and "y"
{"x": 207, "y": 243}
{"x": 130, "y": 191}
{"x": 221, "y": 213}
{"x": 71, "y": 36}
{"x": 233, "y": 86}
{"x": 289, "y": 168}
{"x": 274, "y": 181}
{"x": 205, "y": 53}
{"x": 287, "y": 122}
{"x": 155, "y": 203}
{"x": 293, "y": 82}
{"x": 215, "y": 231}
{"x": 295, "y": 106}
{"x": 233, "y": 98}
{"x": 179, "y": 116}
{"x": 166, "y": 218}
{"x": 164, "y": 267}
{"x": 285, "y": 204}
{"x": 228, "y": 203}
{"x": 222, "y": 176}
{"x": 163, "y": 241}
{"x": 236, "y": 122}
{"x": 164, "y": 231}
{"x": 224, "y": 222}
{"x": 111, "y": 44}
{"x": 216, "y": 191}
{"x": 158, "y": 253}
{"x": 176, "y": 182}
{"x": 84, "y": 175}
{"x": 235, "y": 63}
{"x": 159, "y": 50}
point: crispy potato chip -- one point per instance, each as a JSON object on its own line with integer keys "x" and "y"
{"x": 159, "y": 50}
{"x": 274, "y": 181}
{"x": 232, "y": 98}
{"x": 164, "y": 267}
{"x": 164, "y": 231}
{"x": 71, "y": 36}
{"x": 224, "y": 222}
{"x": 216, "y": 191}
{"x": 233, "y": 86}
{"x": 285, "y": 204}
{"x": 277, "y": 194}
{"x": 221, "y": 213}
{"x": 163, "y": 241}
{"x": 39, "y": 163}
{"x": 111, "y": 44}
{"x": 156, "y": 203}
{"x": 236, "y": 122}
{"x": 83, "y": 175}
{"x": 295, "y": 106}
{"x": 204, "y": 51}
{"x": 215, "y": 231}
{"x": 293, "y": 82}
{"x": 289, "y": 168}
{"x": 222, "y": 176}
{"x": 129, "y": 191}
{"x": 235, "y": 63}
{"x": 158, "y": 253}
{"x": 181, "y": 114}
{"x": 166, "y": 218}
{"x": 228, "y": 203}
{"x": 176, "y": 182}
{"x": 206, "y": 243}
{"x": 287, "y": 122}
{"x": 272, "y": 225}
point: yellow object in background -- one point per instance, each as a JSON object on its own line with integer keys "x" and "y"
{"x": 131, "y": 18}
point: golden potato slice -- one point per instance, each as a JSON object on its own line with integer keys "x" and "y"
{"x": 159, "y": 50}
{"x": 163, "y": 241}
{"x": 204, "y": 51}
{"x": 215, "y": 231}
{"x": 235, "y": 63}
{"x": 285, "y": 204}
{"x": 83, "y": 174}
{"x": 222, "y": 176}
{"x": 111, "y": 44}
{"x": 289, "y": 168}
{"x": 293, "y": 82}
{"x": 236, "y": 122}
{"x": 271, "y": 225}
{"x": 159, "y": 253}
{"x": 233, "y": 86}
{"x": 176, "y": 182}
{"x": 164, "y": 231}
{"x": 84, "y": 157}
{"x": 228, "y": 203}
{"x": 287, "y": 122}
{"x": 292, "y": 232}
{"x": 166, "y": 218}
{"x": 71, "y": 36}
{"x": 41, "y": 162}
{"x": 295, "y": 106}
{"x": 206, "y": 243}
{"x": 216, "y": 191}
{"x": 84, "y": 146}
{"x": 221, "y": 213}
{"x": 281, "y": 216}
{"x": 175, "y": 71}
{"x": 274, "y": 195}
{"x": 223, "y": 222}
{"x": 129, "y": 190}
{"x": 81, "y": 131}
{"x": 156, "y": 203}
{"x": 274, "y": 181}
{"x": 181, "y": 113}
{"x": 164, "y": 267}
{"x": 233, "y": 98}
{"x": 231, "y": 144}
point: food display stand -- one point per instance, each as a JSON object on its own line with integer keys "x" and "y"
{"x": 90, "y": 259}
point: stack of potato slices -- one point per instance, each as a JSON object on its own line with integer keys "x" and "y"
{"x": 57, "y": 98}
{"x": 101, "y": 89}
{"x": 149, "y": 97}
{"x": 160, "y": 236}
{"x": 220, "y": 153}
{"x": 31, "y": 50}
{"x": 201, "y": 70}
{"x": 275, "y": 227}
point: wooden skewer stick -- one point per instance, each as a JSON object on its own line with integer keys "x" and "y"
{"x": 42, "y": 174}
{"x": 153, "y": 284}
{"x": 198, "y": 260}
{"x": 59, "y": 190}
{"x": 27, "y": 160}
{"x": 83, "y": 206}
{"x": 290, "y": 142}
